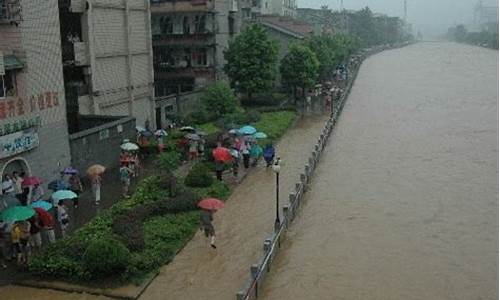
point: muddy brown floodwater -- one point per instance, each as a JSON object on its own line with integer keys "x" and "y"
{"x": 404, "y": 204}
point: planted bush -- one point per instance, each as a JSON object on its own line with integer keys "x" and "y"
{"x": 106, "y": 256}
{"x": 199, "y": 176}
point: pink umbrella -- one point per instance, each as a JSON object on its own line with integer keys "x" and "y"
{"x": 211, "y": 204}
{"x": 31, "y": 181}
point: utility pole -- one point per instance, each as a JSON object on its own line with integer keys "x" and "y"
{"x": 406, "y": 11}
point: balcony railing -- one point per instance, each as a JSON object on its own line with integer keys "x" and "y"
{"x": 199, "y": 39}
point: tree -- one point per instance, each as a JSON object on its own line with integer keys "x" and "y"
{"x": 331, "y": 50}
{"x": 252, "y": 61}
{"x": 219, "y": 98}
{"x": 299, "y": 68}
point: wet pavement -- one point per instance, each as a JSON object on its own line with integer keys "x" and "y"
{"x": 200, "y": 272}
{"x": 404, "y": 204}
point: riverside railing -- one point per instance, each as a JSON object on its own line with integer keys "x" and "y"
{"x": 260, "y": 270}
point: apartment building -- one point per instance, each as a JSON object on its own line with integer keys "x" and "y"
{"x": 33, "y": 128}
{"x": 107, "y": 59}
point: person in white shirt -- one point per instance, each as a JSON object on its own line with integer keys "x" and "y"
{"x": 8, "y": 185}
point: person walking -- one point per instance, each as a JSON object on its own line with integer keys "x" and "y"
{"x": 206, "y": 218}
{"x": 75, "y": 185}
{"x": 36, "y": 193}
{"x": 96, "y": 187}
{"x": 8, "y": 185}
{"x": 193, "y": 150}
{"x": 245, "y": 151}
{"x": 18, "y": 188}
{"x": 125, "y": 174}
{"x": 269, "y": 153}
{"x": 63, "y": 217}
{"x": 35, "y": 233}
{"x": 25, "y": 241}
{"x": 236, "y": 161}
{"x": 3, "y": 245}
{"x": 219, "y": 168}
{"x": 47, "y": 224}
{"x": 255, "y": 153}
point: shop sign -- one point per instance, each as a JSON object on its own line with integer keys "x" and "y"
{"x": 18, "y": 142}
{"x": 18, "y": 125}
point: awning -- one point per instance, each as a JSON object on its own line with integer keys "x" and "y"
{"x": 11, "y": 62}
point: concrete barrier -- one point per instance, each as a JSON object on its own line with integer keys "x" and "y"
{"x": 272, "y": 244}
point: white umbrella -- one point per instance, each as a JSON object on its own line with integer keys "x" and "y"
{"x": 129, "y": 147}
{"x": 187, "y": 128}
{"x": 161, "y": 132}
{"x": 140, "y": 129}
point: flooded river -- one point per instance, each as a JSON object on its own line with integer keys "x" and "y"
{"x": 404, "y": 204}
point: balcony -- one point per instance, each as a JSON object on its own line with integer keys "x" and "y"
{"x": 168, "y": 6}
{"x": 163, "y": 73}
{"x": 180, "y": 40}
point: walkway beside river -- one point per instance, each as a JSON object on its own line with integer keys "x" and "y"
{"x": 404, "y": 204}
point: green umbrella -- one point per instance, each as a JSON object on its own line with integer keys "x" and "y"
{"x": 18, "y": 213}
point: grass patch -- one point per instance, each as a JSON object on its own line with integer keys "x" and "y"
{"x": 208, "y": 128}
{"x": 274, "y": 124}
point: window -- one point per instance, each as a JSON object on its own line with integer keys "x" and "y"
{"x": 8, "y": 84}
{"x": 166, "y": 25}
{"x": 185, "y": 25}
{"x": 200, "y": 57}
{"x": 199, "y": 23}
{"x": 231, "y": 24}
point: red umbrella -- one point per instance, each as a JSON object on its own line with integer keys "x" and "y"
{"x": 31, "y": 181}
{"x": 222, "y": 154}
{"x": 211, "y": 204}
{"x": 45, "y": 217}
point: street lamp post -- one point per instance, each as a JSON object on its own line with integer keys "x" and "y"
{"x": 276, "y": 169}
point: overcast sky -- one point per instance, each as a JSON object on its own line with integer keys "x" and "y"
{"x": 429, "y": 16}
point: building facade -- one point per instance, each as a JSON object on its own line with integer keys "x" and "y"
{"x": 33, "y": 127}
{"x": 252, "y": 9}
{"x": 189, "y": 38}
{"x": 107, "y": 58}
{"x": 485, "y": 16}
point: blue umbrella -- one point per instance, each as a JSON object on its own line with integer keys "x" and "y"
{"x": 260, "y": 135}
{"x": 41, "y": 204}
{"x": 63, "y": 195}
{"x": 247, "y": 130}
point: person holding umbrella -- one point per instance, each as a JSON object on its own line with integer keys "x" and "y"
{"x": 269, "y": 154}
{"x": 63, "y": 217}
{"x": 209, "y": 206}
{"x": 95, "y": 173}
{"x": 76, "y": 186}
{"x": 255, "y": 153}
{"x": 47, "y": 223}
{"x": 125, "y": 174}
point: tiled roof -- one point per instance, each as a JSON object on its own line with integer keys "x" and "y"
{"x": 289, "y": 24}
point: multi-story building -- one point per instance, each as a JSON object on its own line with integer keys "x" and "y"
{"x": 189, "y": 39}
{"x": 33, "y": 128}
{"x": 107, "y": 59}
{"x": 254, "y": 8}
{"x": 486, "y": 16}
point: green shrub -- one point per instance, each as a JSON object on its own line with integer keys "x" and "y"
{"x": 164, "y": 236}
{"x": 106, "y": 256}
{"x": 169, "y": 161}
{"x": 218, "y": 189}
{"x": 199, "y": 176}
{"x": 219, "y": 98}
